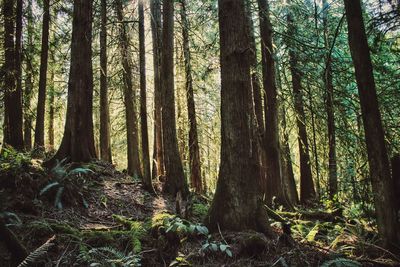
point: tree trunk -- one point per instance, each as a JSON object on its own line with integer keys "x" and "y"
{"x": 333, "y": 183}
{"x": 77, "y": 144}
{"x": 235, "y": 204}
{"x": 51, "y": 104}
{"x": 105, "y": 144}
{"x": 382, "y": 183}
{"x": 158, "y": 157}
{"x": 271, "y": 138}
{"x": 129, "y": 97}
{"x": 40, "y": 115}
{"x": 28, "y": 80}
{"x": 307, "y": 191}
{"x": 194, "y": 150}
{"x": 175, "y": 179}
{"x": 143, "y": 104}
{"x": 13, "y": 121}
{"x": 396, "y": 181}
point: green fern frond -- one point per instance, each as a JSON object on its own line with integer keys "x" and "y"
{"x": 341, "y": 262}
{"x": 34, "y": 256}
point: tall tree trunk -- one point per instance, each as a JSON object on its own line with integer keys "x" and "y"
{"x": 271, "y": 139}
{"x": 18, "y": 55}
{"x": 382, "y": 183}
{"x": 194, "y": 150}
{"x": 40, "y": 115}
{"x": 175, "y": 179}
{"x": 158, "y": 157}
{"x": 328, "y": 80}
{"x": 143, "y": 104}
{"x": 105, "y": 143}
{"x": 129, "y": 96}
{"x": 51, "y": 104}
{"x": 307, "y": 191}
{"x": 235, "y": 206}
{"x": 28, "y": 80}
{"x": 13, "y": 120}
{"x": 77, "y": 144}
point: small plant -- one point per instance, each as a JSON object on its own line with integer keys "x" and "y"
{"x": 12, "y": 161}
{"x": 62, "y": 176}
{"x": 108, "y": 256}
{"x": 213, "y": 246}
{"x": 184, "y": 227}
{"x": 341, "y": 262}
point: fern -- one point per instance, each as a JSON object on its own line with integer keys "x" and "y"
{"x": 341, "y": 262}
{"x": 34, "y": 256}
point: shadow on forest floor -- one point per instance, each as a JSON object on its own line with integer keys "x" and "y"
{"x": 107, "y": 219}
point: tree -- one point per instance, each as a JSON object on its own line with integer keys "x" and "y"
{"x": 382, "y": 183}
{"x": 129, "y": 96}
{"x": 41, "y": 107}
{"x": 307, "y": 191}
{"x": 29, "y": 47}
{"x": 77, "y": 144}
{"x": 12, "y": 128}
{"x": 235, "y": 205}
{"x": 271, "y": 138}
{"x": 175, "y": 178}
{"x": 158, "y": 157}
{"x": 143, "y": 103}
{"x": 105, "y": 144}
{"x": 328, "y": 81}
{"x": 194, "y": 150}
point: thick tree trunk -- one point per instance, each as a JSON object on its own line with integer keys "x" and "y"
{"x": 40, "y": 115}
{"x": 328, "y": 80}
{"x": 105, "y": 143}
{"x": 77, "y": 144}
{"x": 158, "y": 157}
{"x": 307, "y": 191}
{"x": 396, "y": 181}
{"x": 194, "y": 150}
{"x": 28, "y": 80}
{"x": 143, "y": 104}
{"x": 175, "y": 179}
{"x": 382, "y": 183}
{"x": 13, "y": 121}
{"x": 235, "y": 204}
{"x": 271, "y": 138}
{"x": 129, "y": 97}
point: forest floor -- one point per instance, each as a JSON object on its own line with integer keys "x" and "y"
{"x": 101, "y": 217}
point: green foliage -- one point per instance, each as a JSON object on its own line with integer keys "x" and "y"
{"x": 63, "y": 175}
{"x": 13, "y": 162}
{"x": 136, "y": 231}
{"x": 341, "y": 262}
{"x": 214, "y": 246}
{"x": 183, "y": 227}
{"x": 108, "y": 256}
{"x": 181, "y": 260}
{"x": 199, "y": 210}
{"x": 37, "y": 254}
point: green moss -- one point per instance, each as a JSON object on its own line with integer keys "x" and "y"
{"x": 200, "y": 210}
{"x": 135, "y": 229}
{"x": 158, "y": 219}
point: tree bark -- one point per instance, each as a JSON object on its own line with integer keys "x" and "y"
{"x": 328, "y": 80}
{"x": 271, "y": 138}
{"x": 235, "y": 205}
{"x": 382, "y": 183}
{"x": 194, "y": 150}
{"x": 129, "y": 96}
{"x": 105, "y": 143}
{"x": 41, "y": 107}
{"x": 13, "y": 120}
{"x": 175, "y": 179}
{"x": 143, "y": 104}
{"x": 51, "y": 104}
{"x": 158, "y": 157}
{"x": 307, "y": 191}
{"x": 77, "y": 144}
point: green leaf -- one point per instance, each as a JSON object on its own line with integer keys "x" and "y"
{"x": 57, "y": 201}
{"x": 229, "y": 253}
{"x": 223, "y": 247}
{"x": 214, "y": 247}
{"x": 48, "y": 187}
{"x": 311, "y": 235}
